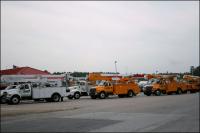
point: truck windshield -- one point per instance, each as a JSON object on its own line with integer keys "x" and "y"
{"x": 102, "y": 83}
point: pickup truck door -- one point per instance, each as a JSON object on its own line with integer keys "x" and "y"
{"x": 83, "y": 87}
{"x": 25, "y": 90}
{"x": 109, "y": 87}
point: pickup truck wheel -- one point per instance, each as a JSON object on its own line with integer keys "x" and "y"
{"x": 56, "y": 98}
{"x": 14, "y": 100}
{"x": 3, "y": 99}
{"x": 157, "y": 92}
{"x": 102, "y": 95}
{"x": 77, "y": 95}
{"x": 130, "y": 93}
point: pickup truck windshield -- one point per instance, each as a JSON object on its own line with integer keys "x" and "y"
{"x": 102, "y": 83}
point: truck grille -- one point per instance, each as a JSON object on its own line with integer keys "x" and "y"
{"x": 5, "y": 94}
{"x": 92, "y": 91}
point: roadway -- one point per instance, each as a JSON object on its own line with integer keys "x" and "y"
{"x": 170, "y": 113}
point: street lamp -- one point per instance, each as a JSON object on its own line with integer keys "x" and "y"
{"x": 116, "y": 66}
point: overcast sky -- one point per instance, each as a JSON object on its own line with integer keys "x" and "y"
{"x": 89, "y": 36}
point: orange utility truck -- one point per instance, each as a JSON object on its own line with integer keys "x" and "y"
{"x": 166, "y": 85}
{"x": 122, "y": 88}
{"x": 193, "y": 83}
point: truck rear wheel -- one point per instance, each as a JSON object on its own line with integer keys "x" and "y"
{"x": 130, "y": 93}
{"x": 56, "y": 98}
{"x": 102, "y": 95}
{"x": 77, "y": 95}
{"x": 157, "y": 92}
{"x": 14, "y": 100}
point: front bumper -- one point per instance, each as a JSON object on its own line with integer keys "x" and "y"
{"x": 92, "y": 92}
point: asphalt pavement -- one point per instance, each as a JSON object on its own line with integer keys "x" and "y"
{"x": 169, "y": 113}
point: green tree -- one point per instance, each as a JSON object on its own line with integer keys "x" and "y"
{"x": 196, "y": 71}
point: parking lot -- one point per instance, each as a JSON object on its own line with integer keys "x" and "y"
{"x": 140, "y": 113}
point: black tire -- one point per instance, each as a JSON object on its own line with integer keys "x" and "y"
{"x": 130, "y": 93}
{"x": 157, "y": 92}
{"x": 102, "y": 95}
{"x": 93, "y": 97}
{"x": 179, "y": 91}
{"x": 70, "y": 97}
{"x": 3, "y": 100}
{"x": 76, "y": 95}
{"x": 14, "y": 100}
{"x": 55, "y": 98}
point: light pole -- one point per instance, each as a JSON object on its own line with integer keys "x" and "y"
{"x": 116, "y": 66}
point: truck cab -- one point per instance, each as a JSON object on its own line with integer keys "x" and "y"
{"x": 4, "y": 92}
{"x": 81, "y": 88}
{"x": 22, "y": 91}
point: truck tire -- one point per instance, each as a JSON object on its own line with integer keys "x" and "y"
{"x": 14, "y": 100}
{"x": 157, "y": 92}
{"x": 3, "y": 100}
{"x": 179, "y": 91}
{"x": 76, "y": 95}
{"x": 130, "y": 93}
{"x": 102, "y": 95}
{"x": 55, "y": 98}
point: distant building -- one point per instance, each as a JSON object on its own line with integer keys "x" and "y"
{"x": 28, "y": 74}
{"x": 23, "y": 71}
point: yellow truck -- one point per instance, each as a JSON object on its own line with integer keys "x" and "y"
{"x": 122, "y": 88}
{"x": 166, "y": 85}
{"x": 192, "y": 82}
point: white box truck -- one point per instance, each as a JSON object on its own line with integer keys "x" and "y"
{"x": 34, "y": 92}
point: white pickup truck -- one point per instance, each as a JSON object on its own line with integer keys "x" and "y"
{"x": 4, "y": 93}
{"x": 80, "y": 89}
{"x": 34, "y": 92}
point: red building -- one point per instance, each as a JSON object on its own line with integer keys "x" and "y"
{"x": 23, "y": 71}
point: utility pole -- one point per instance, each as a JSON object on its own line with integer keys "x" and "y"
{"x": 116, "y": 66}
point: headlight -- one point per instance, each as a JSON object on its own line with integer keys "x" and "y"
{"x": 9, "y": 95}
